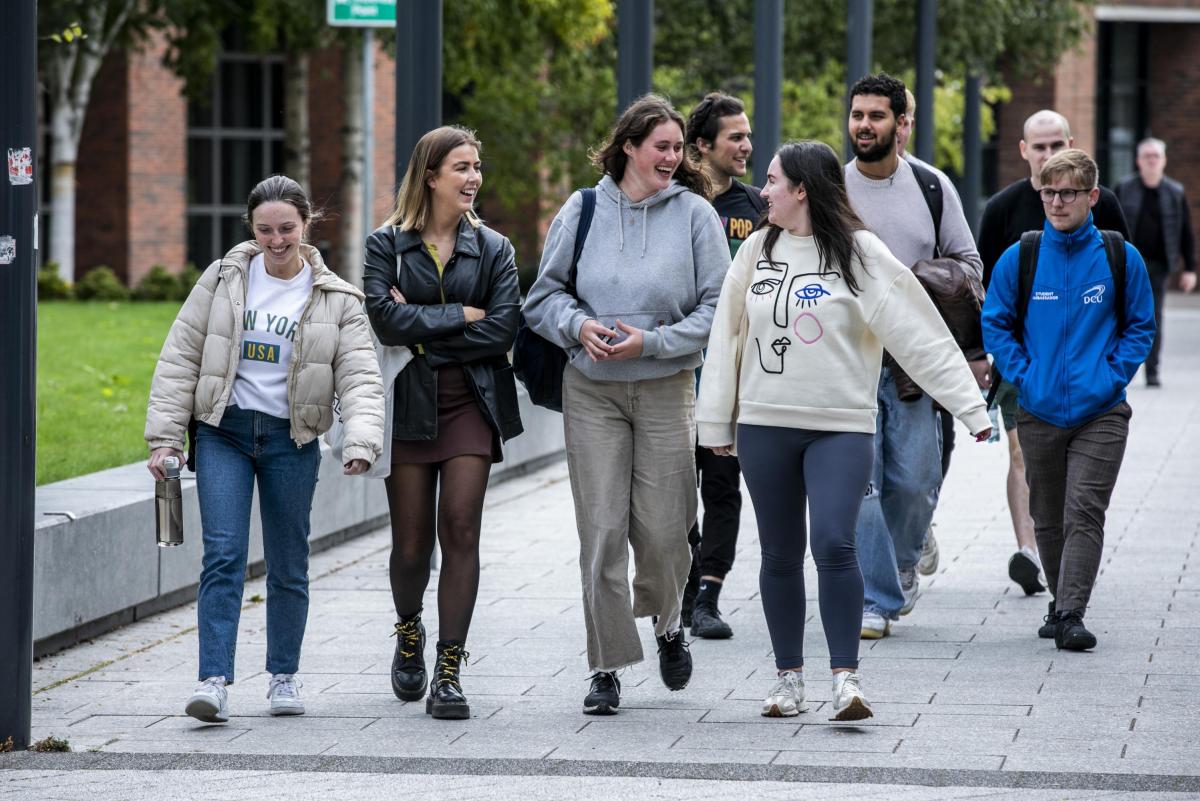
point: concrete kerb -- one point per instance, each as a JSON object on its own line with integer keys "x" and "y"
{"x": 709, "y": 771}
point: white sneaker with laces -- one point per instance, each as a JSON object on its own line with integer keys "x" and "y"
{"x": 928, "y": 563}
{"x": 284, "y": 694}
{"x": 875, "y": 626}
{"x": 209, "y": 702}
{"x": 849, "y": 703}
{"x": 786, "y": 697}
{"x": 910, "y": 585}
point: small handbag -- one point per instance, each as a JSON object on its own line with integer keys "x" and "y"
{"x": 537, "y": 362}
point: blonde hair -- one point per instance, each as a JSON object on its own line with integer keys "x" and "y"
{"x": 414, "y": 199}
{"x": 1073, "y": 163}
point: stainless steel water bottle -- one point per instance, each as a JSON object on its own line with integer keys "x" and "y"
{"x": 168, "y": 505}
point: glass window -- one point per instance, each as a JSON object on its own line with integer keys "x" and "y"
{"x": 241, "y": 168}
{"x": 200, "y": 246}
{"x": 200, "y": 171}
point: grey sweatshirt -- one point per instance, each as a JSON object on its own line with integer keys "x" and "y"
{"x": 656, "y": 265}
{"x": 895, "y": 211}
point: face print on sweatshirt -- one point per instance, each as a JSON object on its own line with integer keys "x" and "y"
{"x": 795, "y": 299}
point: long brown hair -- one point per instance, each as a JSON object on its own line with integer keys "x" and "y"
{"x": 642, "y": 117}
{"x": 414, "y": 199}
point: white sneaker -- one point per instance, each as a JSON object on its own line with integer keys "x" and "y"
{"x": 786, "y": 697}
{"x": 928, "y": 563}
{"x": 849, "y": 703}
{"x": 875, "y": 626}
{"x": 910, "y": 585}
{"x": 284, "y": 694}
{"x": 210, "y": 701}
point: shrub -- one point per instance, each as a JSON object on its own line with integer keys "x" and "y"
{"x": 187, "y": 279}
{"x": 101, "y": 283}
{"x": 50, "y": 285}
{"x": 157, "y": 284}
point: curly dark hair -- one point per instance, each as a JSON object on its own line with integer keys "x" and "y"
{"x": 643, "y": 116}
{"x": 886, "y": 86}
{"x": 705, "y": 120}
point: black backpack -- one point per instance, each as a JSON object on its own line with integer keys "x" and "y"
{"x": 538, "y": 363}
{"x": 931, "y": 188}
{"x": 1027, "y": 261}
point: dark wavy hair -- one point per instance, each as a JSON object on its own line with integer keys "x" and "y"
{"x": 817, "y": 168}
{"x": 886, "y": 86}
{"x": 705, "y": 120}
{"x": 642, "y": 117}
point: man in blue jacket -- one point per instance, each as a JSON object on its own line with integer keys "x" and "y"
{"x": 1070, "y": 360}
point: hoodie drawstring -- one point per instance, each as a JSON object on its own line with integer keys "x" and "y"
{"x": 645, "y": 225}
{"x": 620, "y": 221}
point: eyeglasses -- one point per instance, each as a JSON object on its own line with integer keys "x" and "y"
{"x": 1065, "y": 195}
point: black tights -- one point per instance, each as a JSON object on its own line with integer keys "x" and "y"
{"x": 412, "y": 491}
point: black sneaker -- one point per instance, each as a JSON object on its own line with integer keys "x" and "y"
{"x": 707, "y": 623}
{"x": 1071, "y": 634}
{"x": 691, "y": 589}
{"x": 1152, "y": 380}
{"x": 605, "y": 695}
{"x": 1049, "y": 624}
{"x": 674, "y": 660}
{"x": 1024, "y": 570}
{"x": 408, "y": 663}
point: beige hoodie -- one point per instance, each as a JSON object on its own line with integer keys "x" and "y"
{"x": 332, "y": 352}
{"x": 793, "y": 348}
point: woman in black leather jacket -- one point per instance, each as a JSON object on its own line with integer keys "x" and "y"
{"x": 445, "y": 285}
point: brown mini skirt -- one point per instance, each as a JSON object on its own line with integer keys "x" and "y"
{"x": 462, "y": 430}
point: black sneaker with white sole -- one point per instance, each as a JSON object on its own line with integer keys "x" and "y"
{"x": 1024, "y": 570}
{"x": 604, "y": 696}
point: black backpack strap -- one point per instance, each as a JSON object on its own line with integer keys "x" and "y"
{"x": 931, "y": 189}
{"x": 586, "y": 212}
{"x": 1114, "y": 249}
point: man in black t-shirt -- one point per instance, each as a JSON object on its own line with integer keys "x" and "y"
{"x": 1157, "y": 208}
{"x": 1009, "y": 213}
{"x": 719, "y": 132}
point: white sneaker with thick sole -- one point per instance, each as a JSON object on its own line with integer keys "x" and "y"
{"x": 284, "y": 695}
{"x": 928, "y": 563}
{"x": 875, "y": 626}
{"x": 849, "y": 703}
{"x": 786, "y": 698}
{"x": 210, "y": 701}
{"x": 910, "y": 585}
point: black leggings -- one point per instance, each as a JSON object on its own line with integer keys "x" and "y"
{"x": 412, "y": 491}
{"x": 784, "y": 468}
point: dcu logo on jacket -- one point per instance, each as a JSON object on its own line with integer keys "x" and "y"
{"x": 1094, "y": 294}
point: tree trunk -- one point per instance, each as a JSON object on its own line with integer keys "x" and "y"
{"x": 296, "y": 158}
{"x": 63, "y": 148}
{"x": 351, "y": 232}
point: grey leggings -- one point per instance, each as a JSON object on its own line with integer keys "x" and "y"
{"x": 784, "y": 468}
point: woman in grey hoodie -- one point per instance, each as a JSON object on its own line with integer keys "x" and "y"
{"x": 635, "y": 324}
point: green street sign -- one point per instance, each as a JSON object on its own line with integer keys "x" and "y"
{"x": 362, "y": 13}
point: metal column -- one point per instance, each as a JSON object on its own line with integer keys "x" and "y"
{"x": 418, "y": 75}
{"x": 18, "y": 332}
{"x": 635, "y": 50}
{"x": 926, "y": 52}
{"x": 368, "y": 175}
{"x": 768, "y": 83}
{"x": 859, "y": 19}
{"x": 972, "y": 151}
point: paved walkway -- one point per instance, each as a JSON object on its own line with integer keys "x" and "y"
{"x": 969, "y": 702}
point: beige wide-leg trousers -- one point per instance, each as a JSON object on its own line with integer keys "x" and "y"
{"x": 632, "y": 460}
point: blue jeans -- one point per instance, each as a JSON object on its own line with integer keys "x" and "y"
{"x": 251, "y": 445}
{"x": 901, "y": 497}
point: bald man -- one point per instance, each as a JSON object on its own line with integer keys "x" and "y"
{"x": 1011, "y": 212}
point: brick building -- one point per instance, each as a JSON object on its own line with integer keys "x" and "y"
{"x": 1136, "y": 75}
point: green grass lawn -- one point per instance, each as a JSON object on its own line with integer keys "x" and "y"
{"x": 94, "y": 365}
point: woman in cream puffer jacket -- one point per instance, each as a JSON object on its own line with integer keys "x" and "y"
{"x": 260, "y": 347}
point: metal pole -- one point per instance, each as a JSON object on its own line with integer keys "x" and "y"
{"x": 635, "y": 50}
{"x": 18, "y": 331}
{"x": 768, "y": 82}
{"x": 418, "y": 75}
{"x": 858, "y": 51}
{"x": 368, "y": 180}
{"x": 926, "y": 52}
{"x": 972, "y": 151}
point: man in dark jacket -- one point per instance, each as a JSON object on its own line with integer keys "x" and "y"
{"x": 1070, "y": 353}
{"x": 1011, "y": 212}
{"x": 1157, "y": 208}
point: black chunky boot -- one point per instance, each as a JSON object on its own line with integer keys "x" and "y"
{"x": 408, "y": 665}
{"x": 446, "y": 699}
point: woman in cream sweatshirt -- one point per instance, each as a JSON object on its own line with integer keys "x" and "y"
{"x": 807, "y": 308}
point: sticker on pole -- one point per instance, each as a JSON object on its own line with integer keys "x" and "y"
{"x": 20, "y": 166}
{"x": 8, "y": 250}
